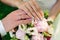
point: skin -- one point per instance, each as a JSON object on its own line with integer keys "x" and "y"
{"x": 14, "y": 19}
{"x": 55, "y": 10}
{"x": 31, "y": 8}
{"x": 13, "y": 3}
{"x": 53, "y": 13}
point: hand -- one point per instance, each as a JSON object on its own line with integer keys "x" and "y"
{"x": 32, "y": 9}
{"x": 55, "y": 10}
{"x": 13, "y": 3}
{"x": 14, "y": 19}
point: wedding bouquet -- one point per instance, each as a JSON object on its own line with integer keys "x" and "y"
{"x": 36, "y": 30}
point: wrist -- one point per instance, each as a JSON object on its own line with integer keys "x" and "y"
{"x": 18, "y": 3}
{"x": 13, "y": 3}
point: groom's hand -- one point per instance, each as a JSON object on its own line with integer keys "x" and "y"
{"x": 14, "y": 19}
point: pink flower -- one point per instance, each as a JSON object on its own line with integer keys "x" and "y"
{"x": 20, "y": 34}
{"x": 37, "y": 37}
{"x": 41, "y": 25}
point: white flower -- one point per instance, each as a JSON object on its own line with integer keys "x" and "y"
{"x": 38, "y": 37}
{"x": 20, "y": 34}
{"x": 50, "y": 30}
{"x": 32, "y": 31}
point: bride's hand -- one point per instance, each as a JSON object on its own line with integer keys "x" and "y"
{"x": 32, "y": 9}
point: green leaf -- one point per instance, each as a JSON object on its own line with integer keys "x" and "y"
{"x": 46, "y": 34}
{"x": 14, "y": 38}
{"x": 46, "y": 14}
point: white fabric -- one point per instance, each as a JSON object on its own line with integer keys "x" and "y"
{"x": 46, "y": 4}
{"x": 2, "y": 30}
{"x": 56, "y": 35}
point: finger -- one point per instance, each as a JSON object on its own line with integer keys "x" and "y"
{"x": 27, "y": 11}
{"x": 35, "y": 9}
{"x": 18, "y": 12}
{"x": 27, "y": 21}
{"x": 23, "y": 17}
{"x": 38, "y": 8}
{"x": 28, "y": 6}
